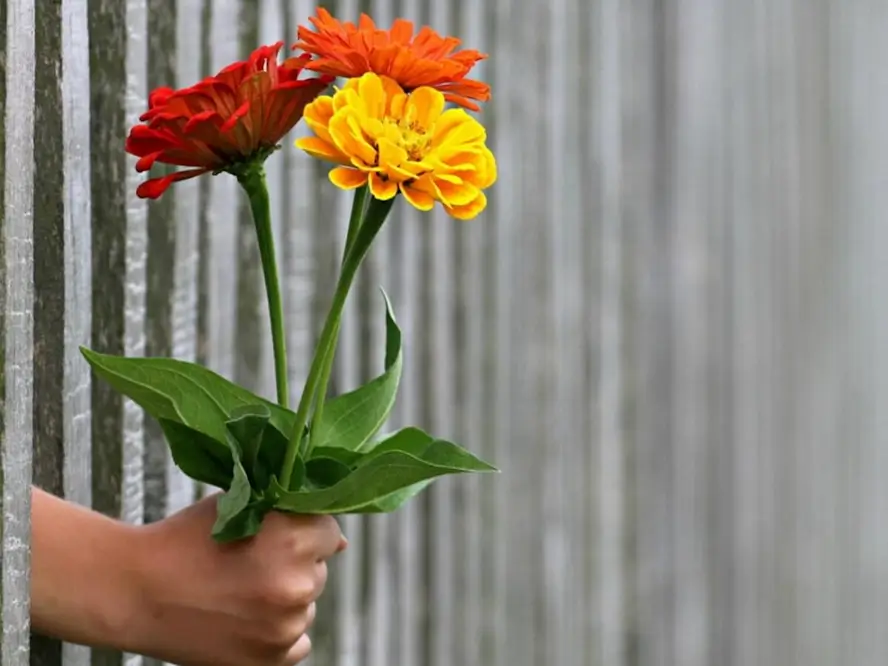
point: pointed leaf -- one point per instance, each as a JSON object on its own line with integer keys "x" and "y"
{"x": 248, "y": 425}
{"x": 407, "y": 458}
{"x": 397, "y": 499}
{"x": 198, "y": 456}
{"x": 230, "y": 524}
{"x": 351, "y": 419}
{"x": 183, "y": 392}
{"x": 232, "y": 503}
{"x": 422, "y": 445}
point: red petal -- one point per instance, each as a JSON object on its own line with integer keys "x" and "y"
{"x": 152, "y": 189}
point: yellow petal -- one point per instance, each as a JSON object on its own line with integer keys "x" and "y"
{"x": 468, "y": 211}
{"x": 390, "y": 154}
{"x": 456, "y": 127}
{"x": 382, "y": 189}
{"x": 424, "y": 107}
{"x": 351, "y": 144}
{"x": 372, "y": 93}
{"x": 347, "y": 179}
{"x": 455, "y": 194}
{"x": 316, "y": 147}
{"x": 317, "y": 116}
{"x": 396, "y": 106}
{"x": 419, "y": 200}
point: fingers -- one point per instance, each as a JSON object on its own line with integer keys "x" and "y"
{"x": 299, "y": 651}
{"x": 329, "y": 537}
{"x": 310, "y": 615}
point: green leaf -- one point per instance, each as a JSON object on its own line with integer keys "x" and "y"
{"x": 244, "y": 524}
{"x": 346, "y": 457}
{"x": 406, "y": 459}
{"x": 198, "y": 456}
{"x": 397, "y": 499}
{"x": 351, "y": 419}
{"x": 183, "y": 392}
{"x": 234, "y": 517}
{"x": 325, "y": 472}
{"x": 247, "y": 425}
{"x": 434, "y": 451}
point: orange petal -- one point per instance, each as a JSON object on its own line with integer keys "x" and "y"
{"x": 419, "y": 200}
{"x": 470, "y": 210}
{"x": 382, "y": 189}
{"x": 347, "y": 179}
{"x": 316, "y": 147}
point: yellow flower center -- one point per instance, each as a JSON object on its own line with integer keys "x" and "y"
{"x": 407, "y": 134}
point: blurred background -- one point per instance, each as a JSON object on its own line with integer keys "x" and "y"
{"x": 666, "y": 329}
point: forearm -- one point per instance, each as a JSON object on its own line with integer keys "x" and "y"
{"x": 84, "y": 580}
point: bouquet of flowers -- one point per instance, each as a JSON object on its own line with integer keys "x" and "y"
{"x": 388, "y": 134}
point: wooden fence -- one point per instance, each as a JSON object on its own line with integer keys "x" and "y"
{"x": 668, "y": 330}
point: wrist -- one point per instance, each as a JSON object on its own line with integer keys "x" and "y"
{"x": 120, "y": 607}
{"x": 86, "y": 572}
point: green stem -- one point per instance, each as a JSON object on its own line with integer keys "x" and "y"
{"x": 375, "y": 216}
{"x": 252, "y": 180}
{"x": 354, "y": 223}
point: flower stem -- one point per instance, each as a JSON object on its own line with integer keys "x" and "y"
{"x": 377, "y": 211}
{"x": 354, "y": 223}
{"x": 252, "y": 180}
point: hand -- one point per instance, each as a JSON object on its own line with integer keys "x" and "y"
{"x": 242, "y": 604}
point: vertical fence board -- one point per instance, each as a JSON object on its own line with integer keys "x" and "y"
{"x": 470, "y": 317}
{"x": 118, "y": 81}
{"x": 696, "y": 129}
{"x": 48, "y": 363}
{"x": 186, "y": 303}
{"x": 438, "y": 367}
{"x": 17, "y": 322}
{"x": 161, "y": 260}
{"x": 223, "y": 198}
{"x": 507, "y": 46}
{"x": 860, "y": 141}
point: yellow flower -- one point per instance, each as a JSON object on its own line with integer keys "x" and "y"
{"x": 402, "y": 142}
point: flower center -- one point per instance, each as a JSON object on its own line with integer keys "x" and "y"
{"x": 409, "y": 135}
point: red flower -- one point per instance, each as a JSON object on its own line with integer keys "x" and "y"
{"x": 412, "y": 60}
{"x": 237, "y": 116}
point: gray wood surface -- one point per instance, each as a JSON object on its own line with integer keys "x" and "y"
{"x": 666, "y": 329}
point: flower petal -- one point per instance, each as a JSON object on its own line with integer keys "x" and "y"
{"x": 347, "y": 179}
{"x": 319, "y": 148}
{"x": 153, "y": 188}
{"x": 382, "y": 189}
{"x": 419, "y": 200}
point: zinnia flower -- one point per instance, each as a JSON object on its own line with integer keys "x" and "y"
{"x": 402, "y": 142}
{"x": 224, "y": 121}
{"x": 426, "y": 59}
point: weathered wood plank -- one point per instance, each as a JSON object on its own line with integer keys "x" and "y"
{"x": 161, "y": 260}
{"x": 439, "y": 369}
{"x": 118, "y": 82}
{"x": 506, "y": 43}
{"x": 62, "y": 223}
{"x": 223, "y": 198}
{"x": 16, "y": 322}
{"x": 470, "y": 316}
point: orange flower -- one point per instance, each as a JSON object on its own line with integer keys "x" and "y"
{"x": 235, "y": 117}
{"x": 426, "y": 59}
